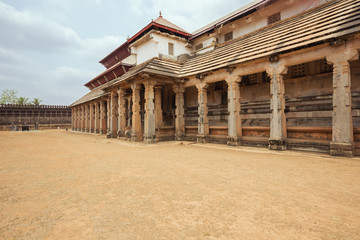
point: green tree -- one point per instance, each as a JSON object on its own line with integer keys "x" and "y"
{"x": 8, "y": 96}
{"x": 22, "y": 100}
{"x": 36, "y": 101}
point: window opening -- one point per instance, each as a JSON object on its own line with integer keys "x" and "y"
{"x": 171, "y": 49}
{"x": 228, "y": 36}
{"x": 274, "y": 18}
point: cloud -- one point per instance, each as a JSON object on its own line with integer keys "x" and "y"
{"x": 27, "y": 31}
{"x": 42, "y": 58}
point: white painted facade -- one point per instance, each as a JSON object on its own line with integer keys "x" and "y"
{"x": 156, "y": 44}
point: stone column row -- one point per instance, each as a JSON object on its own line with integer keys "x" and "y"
{"x": 90, "y": 118}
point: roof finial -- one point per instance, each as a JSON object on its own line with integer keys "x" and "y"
{"x": 160, "y": 14}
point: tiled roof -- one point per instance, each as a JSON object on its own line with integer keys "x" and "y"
{"x": 162, "y": 21}
{"x": 94, "y": 94}
{"x": 155, "y": 66}
{"x": 334, "y": 19}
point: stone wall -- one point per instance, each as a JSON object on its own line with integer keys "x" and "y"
{"x": 30, "y": 117}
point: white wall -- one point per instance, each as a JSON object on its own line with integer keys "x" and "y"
{"x": 156, "y": 46}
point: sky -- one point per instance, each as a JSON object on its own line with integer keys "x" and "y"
{"x": 50, "y": 48}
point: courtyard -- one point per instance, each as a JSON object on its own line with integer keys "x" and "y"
{"x": 58, "y": 184}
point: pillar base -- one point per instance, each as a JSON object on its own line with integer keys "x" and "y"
{"x": 341, "y": 149}
{"x": 120, "y": 133}
{"x": 279, "y": 145}
{"x": 233, "y": 141}
{"x": 136, "y": 138}
{"x": 179, "y": 137}
{"x": 96, "y": 131}
{"x": 202, "y": 138}
{"x": 149, "y": 139}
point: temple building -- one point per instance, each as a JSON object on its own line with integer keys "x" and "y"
{"x": 284, "y": 74}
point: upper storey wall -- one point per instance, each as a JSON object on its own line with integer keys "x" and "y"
{"x": 252, "y": 22}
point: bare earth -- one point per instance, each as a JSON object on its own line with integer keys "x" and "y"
{"x": 64, "y": 185}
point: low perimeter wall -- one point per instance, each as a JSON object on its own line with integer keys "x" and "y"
{"x": 15, "y": 117}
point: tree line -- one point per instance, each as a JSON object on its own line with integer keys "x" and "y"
{"x": 9, "y": 96}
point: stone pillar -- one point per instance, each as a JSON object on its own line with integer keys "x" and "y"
{"x": 78, "y": 119}
{"x": 102, "y": 117}
{"x": 129, "y": 109}
{"x": 108, "y": 117}
{"x": 278, "y": 133}
{"x": 72, "y": 118}
{"x": 96, "y": 120}
{"x": 91, "y": 118}
{"x": 179, "y": 91}
{"x": 112, "y": 116}
{"x": 83, "y": 118}
{"x": 158, "y": 110}
{"x": 234, "y": 118}
{"x": 203, "y": 121}
{"x": 121, "y": 113}
{"x": 342, "y": 121}
{"x": 136, "y": 117}
{"x": 149, "y": 128}
{"x": 87, "y": 122}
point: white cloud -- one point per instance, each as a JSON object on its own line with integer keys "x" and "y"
{"x": 25, "y": 30}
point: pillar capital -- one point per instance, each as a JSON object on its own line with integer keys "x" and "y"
{"x": 231, "y": 78}
{"x": 178, "y": 88}
{"x": 136, "y": 86}
{"x": 342, "y": 54}
{"x": 202, "y": 86}
{"x": 276, "y": 69}
{"x": 149, "y": 82}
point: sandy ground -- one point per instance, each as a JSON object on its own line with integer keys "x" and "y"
{"x": 63, "y": 185}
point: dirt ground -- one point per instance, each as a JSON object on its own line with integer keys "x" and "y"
{"x": 64, "y": 185}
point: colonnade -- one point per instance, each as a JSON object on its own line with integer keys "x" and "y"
{"x": 108, "y": 115}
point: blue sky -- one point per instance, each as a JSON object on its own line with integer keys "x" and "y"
{"x": 50, "y": 48}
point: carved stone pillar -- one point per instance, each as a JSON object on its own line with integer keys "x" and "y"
{"x": 234, "y": 118}
{"x": 83, "y": 118}
{"x": 342, "y": 121}
{"x": 136, "y": 117}
{"x": 158, "y": 110}
{"x": 121, "y": 113}
{"x": 149, "y": 128}
{"x": 112, "y": 116}
{"x": 129, "y": 110}
{"x": 108, "y": 117}
{"x": 278, "y": 133}
{"x": 78, "y": 116}
{"x": 102, "y": 117}
{"x": 91, "y": 118}
{"x": 77, "y": 128}
{"x": 73, "y": 121}
{"x": 179, "y": 91}
{"x": 96, "y": 118}
{"x": 203, "y": 121}
{"x": 87, "y": 112}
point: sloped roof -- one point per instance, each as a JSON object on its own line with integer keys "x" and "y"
{"x": 94, "y": 94}
{"x": 155, "y": 66}
{"x": 162, "y": 21}
{"x": 334, "y": 19}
